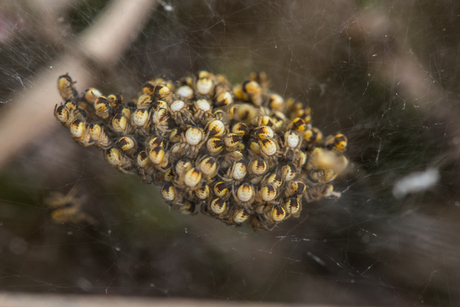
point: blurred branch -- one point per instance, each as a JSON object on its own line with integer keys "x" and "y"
{"x": 31, "y": 112}
{"x": 114, "y": 32}
{"x": 394, "y": 64}
{"x": 26, "y": 300}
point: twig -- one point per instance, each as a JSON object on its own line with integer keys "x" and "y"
{"x": 26, "y": 300}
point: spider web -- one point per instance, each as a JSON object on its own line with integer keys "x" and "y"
{"x": 382, "y": 73}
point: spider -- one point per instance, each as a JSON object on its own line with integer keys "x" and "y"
{"x": 188, "y": 208}
{"x": 232, "y": 141}
{"x": 168, "y": 191}
{"x": 319, "y": 191}
{"x": 222, "y": 85}
{"x": 67, "y": 207}
{"x": 298, "y": 124}
{"x": 80, "y": 132}
{"x": 230, "y": 157}
{"x": 279, "y": 120}
{"x": 115, "y": 158}
{"x": 158, "y": 91}
{"x": 179, "y": 110}
{"x": 291, "y": 145}
{"x": 123, "y": 109}
{"x": 90, "y": 95}
{"x": 154, "y": 141}
{"x": 115, "y": 100}
{"x": 223, "y": 100}
{"x": 253, "y": 92}
{"x": 245, "y": 196}
{"x": 257, "y": 169}
{"x": 140, "y": 121}
{"x": 174, "y": 135}
{"x": 295, "y": 188}
{"x": 202, "y": 110}
{"x": 274, "y": 179}
{"x": 205, "y": 84}
{"x": 144, "y": 101}
{"x": 304, "y": 114}
{"x": 66, "y": 89}
{"x": 240, "y": 128}
{"x": 208, "y": 166}
{"x": 191, "y": 142}
{"x": 337, "y": 143}
{"x": 190, "y": 180}
{"x": 263, "y": 132}
{"x": 102, "y": 107}
{"x": 183, "y": 186}
{"x": 236, "y": 173}
{"x": 220, "y": 115}
{"x": 160, "y": 120}
{"x": 68, "y": 112}
{"x": 232, "y": 178}
{"x": 145, "y": 167}
{"x": 276, "y": 102}
{"x": 238, "y": 217}
{"x": 128, "y": 145}
{"x": 270, "y": 150}
{"x": 203, "y": 193}
{"x": 323, "y": 165}
{"x": 288, "y": 172}
{"x": 121, "y": 123}
{"x": 223, "y": 189}
{"x": 159, "y": 157}
{"x": 216, "y": 128}
{"x": 215, "y": 146}
{"x": 261, "y": 78}
{"x": 272, "y": 216}
{"x": 244, "y": 112}
{"x": 234, "y": 216}
{"x": 217, "y": 208}
{"x": 175, "y": 199}
{"x": 99, "y": 136}
{"x": 185, "y": 92}
{"x": 321, "y": 175}
{"x": 267, "y": 194}
{"x": 313, "y": 135}
{"x": 293, "y": 205}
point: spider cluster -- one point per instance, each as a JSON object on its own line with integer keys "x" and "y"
{"x": 238, "y": 152}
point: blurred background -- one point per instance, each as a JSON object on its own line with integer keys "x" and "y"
{"x": 384, "y": 73}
